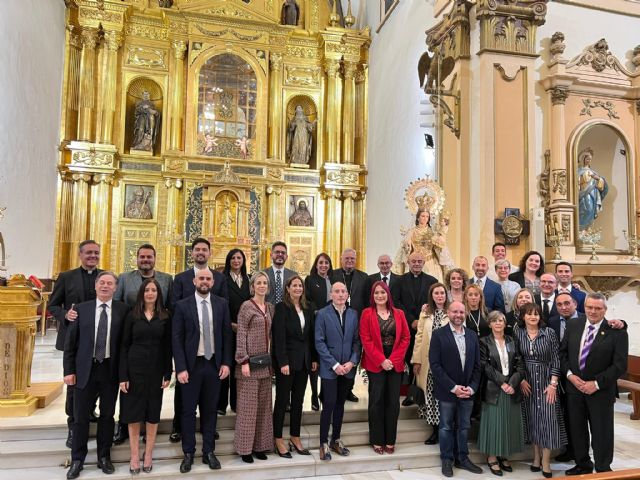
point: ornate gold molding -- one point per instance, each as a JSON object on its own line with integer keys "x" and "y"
{"x": 509, "y": 26}
{"x": 451, "y": 36}
{"x": 146, "y": 57}
{"x": 179, "y": 49}
{"x": 92, "y": 158}
{"x": 275, "y": 61}
{"x": 559, "y": 181}
{"x": 302, "y": 76}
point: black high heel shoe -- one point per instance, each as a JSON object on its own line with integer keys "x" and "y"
{"x": 304, "y": 451}
{"x": 146, "y": 469}
{"x": 286, "y": 453}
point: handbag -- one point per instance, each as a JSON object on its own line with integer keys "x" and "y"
{"x": 405, "y": 375}
{"x": 260, "y": 361}
{"x": 416, "y": 394}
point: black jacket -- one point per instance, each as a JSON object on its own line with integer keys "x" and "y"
{"x": 293, "y": 345}
{"x": 492, "y": 368}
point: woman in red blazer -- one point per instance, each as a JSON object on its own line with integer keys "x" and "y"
{"x": 385, "y": 338}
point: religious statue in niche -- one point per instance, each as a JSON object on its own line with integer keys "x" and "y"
{"x": 290, "y": 13}
{"x": 592, "y": 190}
{"x": 428, "y": 235}
{"x": 301, "y": 216}
{"x": 226, "y": 219}
{"x": 137, "y": 206}
{"x": 145, "y": 125}
{"x": 299, "y": 138}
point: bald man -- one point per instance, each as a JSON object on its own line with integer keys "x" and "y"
{"x": 384, "y": 274}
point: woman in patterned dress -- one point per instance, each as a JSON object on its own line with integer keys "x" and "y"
{"x": 544, "y": 423}
{"x": 432, "y": 317}
{"x": 254, "y": 425}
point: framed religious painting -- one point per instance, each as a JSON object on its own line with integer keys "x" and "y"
{"x": 301, "y": 211}
{"x": 386, "y": 8}
{"x": 139, "y": 202}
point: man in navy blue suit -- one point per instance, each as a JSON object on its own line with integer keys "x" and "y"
{"x": 564, "y": 273}
{"x": 183, "y": 287}
{"x": 493, "y": 298}
{"x": 454, "y": 357}
{"x": 202, "y": 351}
{"x": 338, "y": 346}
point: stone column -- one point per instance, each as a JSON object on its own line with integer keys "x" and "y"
{"x": 349, "y": 112}
{"x": 176, "y": 120}
{"x": 113, "y": 40}
{"x": 100, "y": 220}
{"x": 348, "y": 219}
{"x": 276, "y": 111}
{"x": 79, "y": 212}
{"x": 273, "y": 201}
{"x": 558, "y": 141}
{"x": 87, "y": 84}
{"x": 333, "y": 224}
{"x": 334, "y": 110}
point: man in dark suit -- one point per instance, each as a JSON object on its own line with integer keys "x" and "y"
{"x": 593, "y": 357}
{"x": 564, "y": 273}
{"x": 201, "y": 361}
{"x": 493, "y": 298}
{"x": 385, "y": 274}
{"x": 71, "y": 288}
{"x": 454, "y": 357}
{"x": 357, "y": 294}
{"x": 278, "y": 274}
{"x": 547, "y": 297}
{"x": 338, "y": 345}
{"x": 184, "y": 287}
{"x": 91, "y": 352}
{"x": 410, "y": 293}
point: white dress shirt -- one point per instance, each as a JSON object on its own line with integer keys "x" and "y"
{"x": 99, "y": 303}
{"x": 199, "y": 305}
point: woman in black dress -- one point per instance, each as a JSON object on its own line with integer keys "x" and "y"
{"x": 476, "y": 311}
{"x": 235, "y": 269}
{"x": 145, "y": 369}
{"x": 317, "y": 287}
{"x": 295, "y": 358}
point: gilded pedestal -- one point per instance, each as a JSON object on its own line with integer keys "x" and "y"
{"x": 18, "y": 318}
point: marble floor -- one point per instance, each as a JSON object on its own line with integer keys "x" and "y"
{"x": 47, "y": 366}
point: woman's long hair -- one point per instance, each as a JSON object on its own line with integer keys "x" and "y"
{"x": 287, "y": 297}
{"x": 431, "y": 304}
{"x": 482, "y": 306}
{"x": 314, "y": 267}
{"x": 227, "y": 262}
{"x": 158, "y": 308}
{"x": 385, "y": 287}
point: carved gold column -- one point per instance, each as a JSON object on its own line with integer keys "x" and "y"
{"x": 334, "y": 105}
{"x": 333, "y": 223}
{"x": 71, "y": 83}
{"x": 360, "y": 223}
{"x": 113, "y": 40}
{"x": 100, "y": 220}
{"x": 349, "y": 112}
{"x": 80, "y": 211}
{"x": 348, "y": 219}
{"x": 362, "y": 115}
{"x": 173, "y": 186}
{"x": 273, "y": 224}
{"x": 61, "y": 254}
{"x": 177, "y": 108}
{"x": 87, "y": 84}
{"x": 275, "y": 113}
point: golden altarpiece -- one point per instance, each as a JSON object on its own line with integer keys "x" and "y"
{"x": 486, "y": 128}
{"x": 178, "y": 121}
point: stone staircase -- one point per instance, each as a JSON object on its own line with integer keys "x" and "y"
{"x": 39, "y": 453}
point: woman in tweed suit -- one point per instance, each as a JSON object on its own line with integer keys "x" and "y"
{"x": 254, "y": 427}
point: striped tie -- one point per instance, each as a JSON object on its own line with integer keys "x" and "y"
{"x": 591, "y": 333}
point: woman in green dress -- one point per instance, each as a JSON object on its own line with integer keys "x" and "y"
{"x": 501, "y": 433}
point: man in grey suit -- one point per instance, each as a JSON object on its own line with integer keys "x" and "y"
{"x": 129, "y": 284}
{"x": 277, "y": 273}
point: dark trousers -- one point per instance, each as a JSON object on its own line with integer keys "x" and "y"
{"x": 228, "y": 392}
{"x": 177, "y": 408}
{"x": 313, "y": 381}
{"x": 333, "y": 395}
{"x": 593, "y": 412}
{"x": 384, "y": 406}
{"x": 102, "y": 384}
{"x": 564, "y": 402}
{"x": 68, "y": 405}
{"x": 289, "y": 386}
{"x": 201, "y": 391}
{"x": 455, "y": 420}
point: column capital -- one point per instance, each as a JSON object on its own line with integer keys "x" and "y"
{"x": 350, "y": 70}
{"x": 332, "y": 67}
{"x": 331, "y": 193}
{"x": 106, "y": 178}
{"x": 273, "y": 189}
{"x": 173, "y": 183}
{"x": 81, "y": 177}
{"x": 275, "y": 61}
{"x": 179, "y": 49}
{"x": 559, "y": 95}
{"x": 89, "y": 37}
{"x": 113, "y": 39}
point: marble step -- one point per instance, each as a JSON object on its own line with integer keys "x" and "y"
{"x": 45, "y": 452}
{"x": 361, "y": 460}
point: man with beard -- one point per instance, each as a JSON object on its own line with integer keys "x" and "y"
{"x": 202, "y": 352}
{"x": 128, "y": 287}
{"x": 184, "y": 287}
{"x": 278, "y": 274}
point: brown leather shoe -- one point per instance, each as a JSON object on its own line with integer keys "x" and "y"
{"x": 325, "y": 454}
{"x": 338, "y": 447}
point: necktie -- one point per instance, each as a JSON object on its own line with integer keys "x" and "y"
{"x": 479, "y": 282}
{"x": 101, "y": 337}
{"x": 385, "y": 280}
{"x": 563, "y": 327}
{"x": 206, "y": 331}
{"x": 545, "y": 309}
{"x": 587, "y": 346}
{"x": 278, "y": 286}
